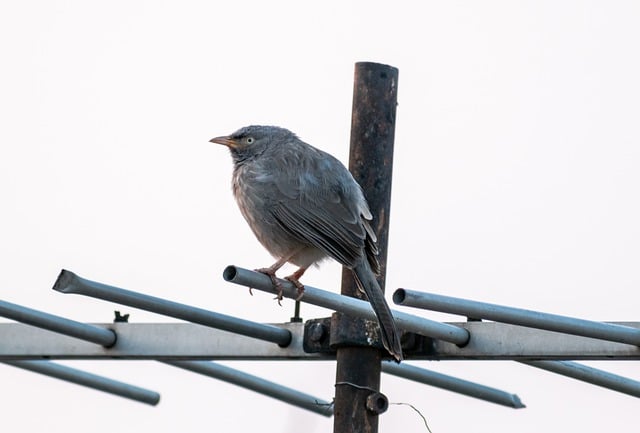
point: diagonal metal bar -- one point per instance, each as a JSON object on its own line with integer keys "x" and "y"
{"x": 257, "y": 384}
{"x": 590, "y": 375}
{"x": 89, "y": 380}
{"x": 347, "y": 305}
{"x": 62, "y": 325}
{"x": 68, "y": 282}
{"x": 518, "y": 316}
{"x": 454, "y": 384}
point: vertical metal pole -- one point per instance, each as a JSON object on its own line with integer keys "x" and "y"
{"x": 371, "y": 163}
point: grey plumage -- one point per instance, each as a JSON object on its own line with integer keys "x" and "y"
{"x": 303, "y": 205}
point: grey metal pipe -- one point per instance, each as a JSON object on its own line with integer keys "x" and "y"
{"x": 590, "y": 375}
{"x": 89, "y": 380}
{"x": 347, "y": 305}
{"x": 40, "y": 319}
{"x": 68, "y": 282}
{"x": 257, "y": 384}
{"x": 518, "y": 316}
{"x": 454, "y": 384}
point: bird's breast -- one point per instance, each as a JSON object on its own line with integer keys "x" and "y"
{"x": 254, "y": 193}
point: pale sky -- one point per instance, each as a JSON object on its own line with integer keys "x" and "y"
{"x": 515, "y": 182}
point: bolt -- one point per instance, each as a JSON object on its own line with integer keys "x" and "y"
{"x": 317, "y": 332}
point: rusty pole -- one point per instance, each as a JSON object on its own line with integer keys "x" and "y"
{"x": 357, "y": 402}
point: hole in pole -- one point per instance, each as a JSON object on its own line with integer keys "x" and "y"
{"x": 377, "y": 403}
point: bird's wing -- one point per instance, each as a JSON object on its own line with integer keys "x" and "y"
{"x": 315, "y": 223}
{"x": 324, "y": 206}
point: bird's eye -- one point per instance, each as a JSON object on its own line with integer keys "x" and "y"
{"x": 250, "y": 140}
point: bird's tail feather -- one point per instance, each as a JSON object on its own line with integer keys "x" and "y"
{"x": 366, "y": 281}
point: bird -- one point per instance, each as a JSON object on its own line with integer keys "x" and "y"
{"x": 304, "y": 206}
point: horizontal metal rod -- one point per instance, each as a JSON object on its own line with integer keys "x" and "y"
{"x": 257, "y": 384}
{"x": 188, "y": 341}
{"x": 494, "y": 340}
{"x": 518, "y": 316}
{"x": 89, "y": 380}
{"x": 68, "y": 282}
{"x": 347, "y": 305}
{"x": 50, "y": 322}
{"x": 590, "y": 375}
{"x": 166, "y": 341}
{"x": 454, "y": 384}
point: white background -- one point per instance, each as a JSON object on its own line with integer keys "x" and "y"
{"x": 516, "y": 181}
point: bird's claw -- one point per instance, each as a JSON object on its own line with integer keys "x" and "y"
{"x": 298, "y": 285}
{"x": 276, "y": 284}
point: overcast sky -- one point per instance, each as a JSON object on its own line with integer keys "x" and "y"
{"x": 515, "y": 181}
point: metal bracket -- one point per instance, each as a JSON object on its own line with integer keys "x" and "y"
{"x": 326, "y": 334}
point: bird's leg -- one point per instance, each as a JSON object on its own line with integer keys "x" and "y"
{"x": 271, "y": 272}
{"x": 294, "y": 278}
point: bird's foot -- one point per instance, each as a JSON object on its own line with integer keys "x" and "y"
{"x": 274, "y": 280}
{"x": 298, "y": 284}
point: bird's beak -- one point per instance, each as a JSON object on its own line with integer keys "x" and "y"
{"x": 226, "y": 140}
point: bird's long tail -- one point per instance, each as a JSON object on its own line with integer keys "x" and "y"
{"x": 366, "y": 281}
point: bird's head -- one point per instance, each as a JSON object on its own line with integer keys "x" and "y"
{"x": 252, "y": 141}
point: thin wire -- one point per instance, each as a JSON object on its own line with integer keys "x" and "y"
{"x": 397, "y": 404}
{"x": 417, "y": 411}
{"x": 366, "y": 388}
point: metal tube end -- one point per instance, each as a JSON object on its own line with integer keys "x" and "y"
{"x": 398, "y": 296}
{"x": 517, "y": 403}
{"x": 229, "y": 273}
{"x": 65, "y": 283}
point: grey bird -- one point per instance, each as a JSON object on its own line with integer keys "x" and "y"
{"x": 304, "y": 206}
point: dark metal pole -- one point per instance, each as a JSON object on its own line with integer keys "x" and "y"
{"x": 371, "y": 163}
